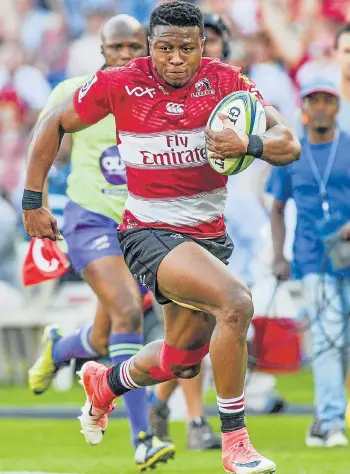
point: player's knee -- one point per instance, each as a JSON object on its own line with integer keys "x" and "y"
{"x": 237, "y": 308}
{"x": 186, "y": 372}
{"x": 127, "y": 319}
{"x": 178, "y": 363}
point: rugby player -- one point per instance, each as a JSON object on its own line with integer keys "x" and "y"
{"x": 97, "y": 191}
{"x": 200, "y": 435}
{"x": 172, "y": 235}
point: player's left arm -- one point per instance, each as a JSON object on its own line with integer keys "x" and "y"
{"x": 279, "y": 144}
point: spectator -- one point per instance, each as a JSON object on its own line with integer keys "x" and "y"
{"x": 28, "y": 82}
{"x": 270, "y": 77}
{"x": 53, "y": 57}
{"x": 290, "y": 38}
{"x": 8, "y": 22}
{"x": 12, "y": 137}
{"x": 246, "y": 233}
{"x": 300, "y": 33}
{"x": 75, "y": 18}
{"x": 23, "y": 92}
{"x": 321, "y": 62}
{"x": 84, "y": 56}
{"x": 9, "y": 219}
{"x": 342, "y": 46}
{"x": 336, "y": 10}
{"x": 139, "y": 10}
{"x": 32, "y": 23}
{"x": 240, "y": 15}
{"x": 76, "y": 11}
{"x": 319, "y": 183}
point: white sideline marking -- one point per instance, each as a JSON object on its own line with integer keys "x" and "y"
{"x": 26, "y": 472}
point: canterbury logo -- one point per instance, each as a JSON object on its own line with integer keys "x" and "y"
{"x": 39, "y": 259}
{"x": 140, "y": 91}
{"x": 174, "y": 109}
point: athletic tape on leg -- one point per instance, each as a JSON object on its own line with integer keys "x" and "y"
{"x": 170, "y": 356}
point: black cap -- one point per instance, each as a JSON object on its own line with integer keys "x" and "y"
{"x": 214, "y": 21}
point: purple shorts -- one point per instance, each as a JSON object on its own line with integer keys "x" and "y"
{"x": 89, "y": 236}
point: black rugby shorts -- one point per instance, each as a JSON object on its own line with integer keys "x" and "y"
{"x": 145, "y": 248}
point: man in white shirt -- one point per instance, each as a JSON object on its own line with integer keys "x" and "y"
{"x": 28, "y": 81}
{"x": 84, "y": 55}
{"x": 342, "y": 47}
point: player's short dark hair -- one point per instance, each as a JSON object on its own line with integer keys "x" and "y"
{"x": 177, "y": 14}
{"x": 342, "y": 30}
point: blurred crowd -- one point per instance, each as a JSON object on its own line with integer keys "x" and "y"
{"x": 279, "y": 43}
{"x": 282, "y": 45}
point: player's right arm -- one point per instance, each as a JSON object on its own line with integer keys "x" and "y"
{"x": 89, "y": 105}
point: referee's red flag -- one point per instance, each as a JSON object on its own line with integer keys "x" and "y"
{"x": 44, "y": 261}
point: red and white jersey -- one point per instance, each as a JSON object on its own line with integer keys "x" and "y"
{"x": 160, "y": 132}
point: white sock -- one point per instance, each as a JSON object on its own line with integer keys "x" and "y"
{"x": 125, "y": 377}
{"x": 231, "y": 405}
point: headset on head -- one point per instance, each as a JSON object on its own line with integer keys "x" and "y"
{"x": 214, "y": 21}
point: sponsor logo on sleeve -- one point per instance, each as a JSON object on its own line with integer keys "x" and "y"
{"x": 85, "y": 89}
{"x": 251, "y": 87}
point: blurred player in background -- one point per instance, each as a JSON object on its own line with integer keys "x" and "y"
{"x": 97, "y": 191}
{"x": 173, "y": 233}
{"x": 217, "y": 37}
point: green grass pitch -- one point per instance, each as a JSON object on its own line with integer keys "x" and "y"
{"x": 57, "y": 446}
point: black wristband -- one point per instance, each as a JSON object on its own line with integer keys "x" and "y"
{"x": 32, "y": 200}
{"x": 255, "y": 146}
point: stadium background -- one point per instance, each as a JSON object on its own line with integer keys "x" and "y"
{"x": 281, "y": 44}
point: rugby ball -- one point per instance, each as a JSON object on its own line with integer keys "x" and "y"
{"x": 248, "y": 115}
